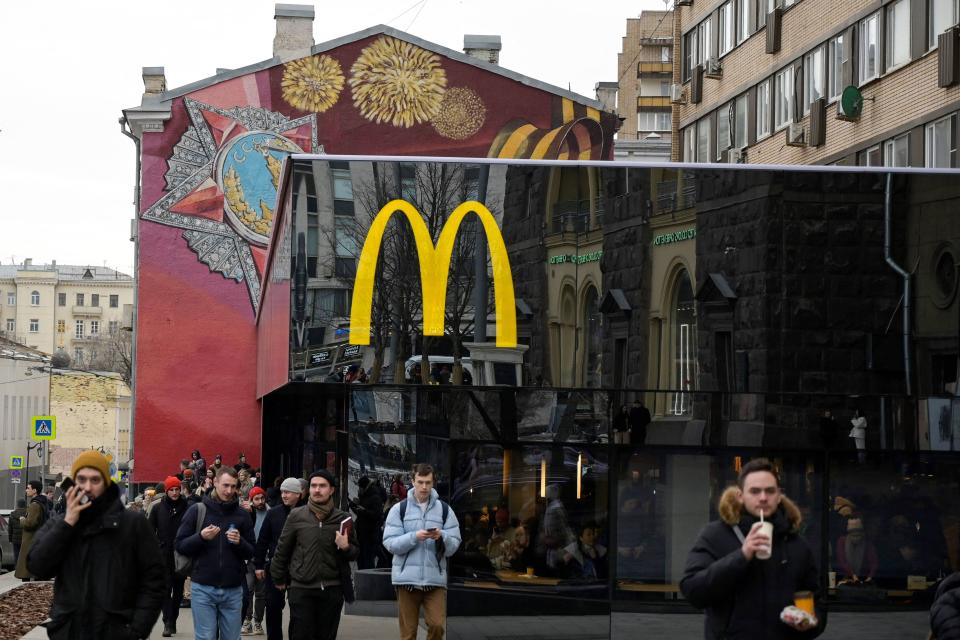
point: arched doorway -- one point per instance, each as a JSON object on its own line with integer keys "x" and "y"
{"x": 592, "y": 339}
{"x": 683, "y": 344}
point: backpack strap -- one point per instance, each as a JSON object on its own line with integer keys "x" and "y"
{"x": 403, "y": 510}
{"x": 201, "y": 514}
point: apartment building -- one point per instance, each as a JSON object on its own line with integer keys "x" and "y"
{"x": 62, "y": 307}
{"x": 870, "y": 83}
{"x": 644, "y": 77}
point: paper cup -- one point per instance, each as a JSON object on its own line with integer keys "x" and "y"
{"x": 763, "y": 553}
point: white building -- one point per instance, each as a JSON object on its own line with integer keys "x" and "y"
{"x": 24, "y": 393}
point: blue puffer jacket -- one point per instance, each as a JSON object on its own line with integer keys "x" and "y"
{"x": 416, "y": 562}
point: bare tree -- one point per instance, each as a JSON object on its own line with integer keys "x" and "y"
{"x": 109, "y": 352}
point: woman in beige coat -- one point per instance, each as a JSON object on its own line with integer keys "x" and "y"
{"x": 37, "y": 513}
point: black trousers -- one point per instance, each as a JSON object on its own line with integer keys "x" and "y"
{"x": 275, "y": 599}
{"x": 315, "y": 613}
{"x": 172, "y": 598}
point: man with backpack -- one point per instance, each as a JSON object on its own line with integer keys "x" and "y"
{"x": 38, "y": 510}
{"x": 165, "y": 519}
{"x": 421, "y": 532}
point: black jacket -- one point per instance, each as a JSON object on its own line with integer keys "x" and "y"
{"x": 743, "y": 598}
{"x": 109, "y": 572}
{"x": 14, "y": 529}
{"x": 269, "y": 535}
{"x": 217, "y": 562}
{"x": 945, "y": 612}
{"x": 165, "y": 518}
{"x": 369, "y": 510}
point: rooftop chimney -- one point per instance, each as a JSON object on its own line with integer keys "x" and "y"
{"x": 486, "y": 48}
{"x": 154, "y": 80}
{"x": 28, "y": 262}
{"x": 294, "y": 31}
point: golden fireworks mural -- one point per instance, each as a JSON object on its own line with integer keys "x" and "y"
{"x": 461, "y": 114}
{"x": 397, "y": 83}
{"x": 312, "y": 84}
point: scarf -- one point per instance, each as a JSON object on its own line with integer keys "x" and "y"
{"x": 321, "y": 510}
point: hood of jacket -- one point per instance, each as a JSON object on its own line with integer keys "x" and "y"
{"x": 731, "y": 510}
{"x": 432, "y": 500}
{"x": 221, "y": 507}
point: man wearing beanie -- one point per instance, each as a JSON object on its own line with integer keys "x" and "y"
{"x": 253, "y": 592}
{"x": 267, "y": 547}
{"x": 218, "y": 535}
{"x": 107, "y": 565}
{"x": 313, "y": 558}
{"x": 165, "y": 518}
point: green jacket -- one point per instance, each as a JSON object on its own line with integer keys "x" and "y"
{"x": 307, "y": 556}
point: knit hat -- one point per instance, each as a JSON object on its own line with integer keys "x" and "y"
{"x": 326, "y": 475}
{"x": 257, "y": 491}
{"x": 93, "y": 460}
{"x": 290, "y": 484}
{"x": 187, "y": 473}
{"x": 170, "y": 483}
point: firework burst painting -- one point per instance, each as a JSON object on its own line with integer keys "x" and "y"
{"x": 312, "y": 84}
{"x": 397, "y": 83}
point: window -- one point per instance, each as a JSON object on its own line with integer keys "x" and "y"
{"x": 869, "y": 157}
{"x": 898, "y": 33}
{"x": 408, "y": 181}
{"x": 113, "y": 327}
{"x": 704, "y": 39}
{"x": 683, "y": 357}
{"x": 61, "y": 299}
{"x": 940, "y": 151}
{"x": 79, "y": 299}
{"x": 868, "y": 52}
{"x": 78, "y": 356}
{"x": 814, "y": 77}
{"x": 665, "y": 54}
{"x": 664, "y": 88}
{"x": 654, "y": 121}
{"x": 943, "y": 15}
{"x": 78, "y": 329}
{"x": 11, "y": 325}
{"x": 726, "y": 27}
{"x": 61, "y": 326}
{"x": 690, "y": 143}
{"x": 703, "y": 140}
{"x": 327, "y": 304}
{"x": 763, "y": 109}
{"x": 12, "y": 299}
{"x": 95, "y": 300}
{"x": 689, "y": 53}
{"x": 34, "y": 325}
{"x": 740, "y": 122}
{"x": 743, "y": 20}
{"x": 114, "y": 301}
{"x": 342, "y": 188}
{"x": 35, "y": 298}
{"x": 837, "y": 62}
{"x": 471, "y": 182}
{"x": 783, "y": 83}
{"x": 724, "y": 139}
{"x": 896, "y": 152}
{"x": 94, "y": 327}
{"x": 696, "y": 47}
{"x": 346, "y": 246}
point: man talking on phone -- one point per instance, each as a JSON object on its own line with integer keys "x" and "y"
{"x": 313, "y": 559}
{"x": 106, "y": 561}
{"x": 421, "y": 532}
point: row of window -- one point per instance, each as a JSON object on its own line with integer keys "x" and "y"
{"x": 62, "y": 299}
{"x": 939, "y": 147}
{"x": 16, "y": 415}
{"x": 79, "y": 327}
{"x": 822, "y": 72}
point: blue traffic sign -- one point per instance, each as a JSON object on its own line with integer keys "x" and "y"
{"x": 44, "y": 427}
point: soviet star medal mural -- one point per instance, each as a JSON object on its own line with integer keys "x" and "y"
{"x": 222, "y": 185}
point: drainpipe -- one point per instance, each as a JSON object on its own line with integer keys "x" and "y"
{"x": 124, "y": 129}
{"x": 888, "y": 223}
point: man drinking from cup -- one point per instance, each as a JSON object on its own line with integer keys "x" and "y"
{"x": 745, "y": 568}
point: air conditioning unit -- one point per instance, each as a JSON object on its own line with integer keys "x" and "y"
{"x": 713, "y": 68}
{"x": 677, "y": 94}
{"x": 683, "y": 3}
{"x": 736, "y": 156}
{"x": 795, "y": 135}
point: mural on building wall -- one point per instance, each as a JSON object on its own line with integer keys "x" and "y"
{"x": 210, "y": 177}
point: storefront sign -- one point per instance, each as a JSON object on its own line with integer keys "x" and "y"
{"x": 575, "y": 259}
{"x": 350, "y": 352}
{"x": 676, "y": 236}
{"x": 318, "y": 358}
{"x": 434, "y": 271}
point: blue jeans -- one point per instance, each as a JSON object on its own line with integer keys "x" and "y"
{"x": 214, "y": 608}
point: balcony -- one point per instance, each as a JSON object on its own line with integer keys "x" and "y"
{"x": 87, "y": 311}
{"x": 647, "y": 102}
{"x": 573, "y": 216}
{"x": 645, "y": 68}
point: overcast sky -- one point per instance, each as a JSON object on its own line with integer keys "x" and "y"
{"x": 68, "y": 68}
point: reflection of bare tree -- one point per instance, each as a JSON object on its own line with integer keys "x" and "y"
{"x": 435, "y": 189}
{"x": 110, "y": 352}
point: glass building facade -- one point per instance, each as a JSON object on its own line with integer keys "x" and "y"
{"x": 672, "y": 324}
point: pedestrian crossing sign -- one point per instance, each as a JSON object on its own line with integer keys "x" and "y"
{"x": 44, "y": 427}
{"x": 16, "y": 462}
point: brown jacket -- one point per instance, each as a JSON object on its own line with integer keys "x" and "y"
{"x": 37, "y": 514}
